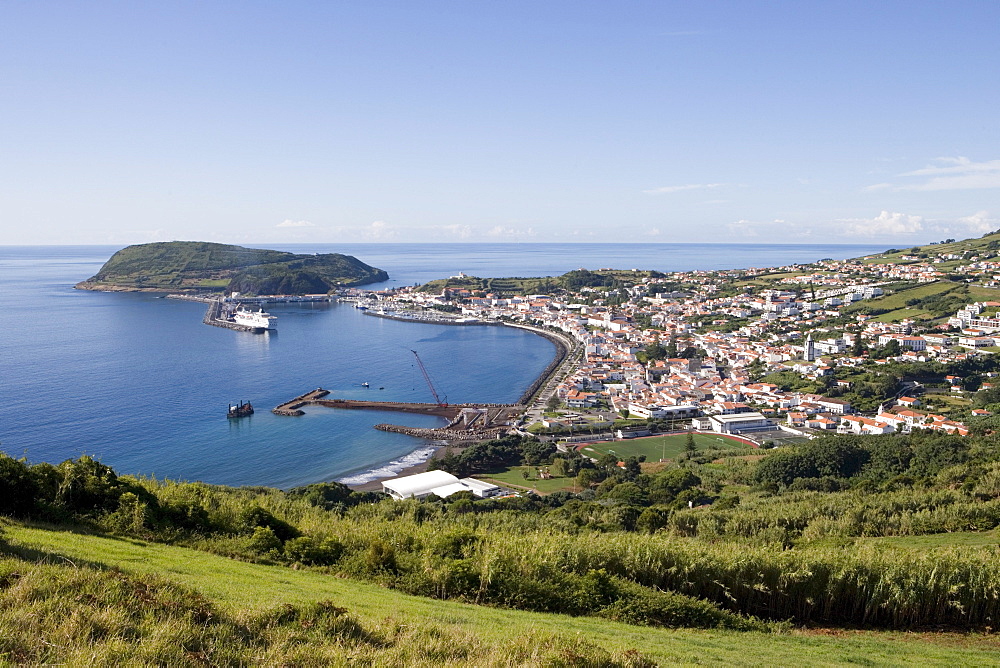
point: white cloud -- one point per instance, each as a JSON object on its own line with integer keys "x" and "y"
{"x": 959, "y": 165}
{"x": 743, "y": 228}
{"x": 884, "y": 224}
{"x": 877, "y": 186}
{"x": 900, "y": 224}
{"x": 979, "y": 222}
{"x": 676, "y": 189}
{"x": 380, "y": 230}
{"x": 653, "y": 232}
{"x": 295, "y": 223}
{"x": 504, "y": 232}
{"x": 776, "y": 228}
{"x": 950, "y": 174}
{"x": 460, "y": 231}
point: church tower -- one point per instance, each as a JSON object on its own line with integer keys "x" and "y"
{"x": 810, "y": 350}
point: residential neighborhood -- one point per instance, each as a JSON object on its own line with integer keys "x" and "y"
{"x": 753, "y": 351}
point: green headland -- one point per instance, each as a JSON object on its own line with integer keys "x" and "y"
{"x": 197, "y": 266}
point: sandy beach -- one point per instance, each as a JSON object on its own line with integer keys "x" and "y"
{"x": 376, "y": 485}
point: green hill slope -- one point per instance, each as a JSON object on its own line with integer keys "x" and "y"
{"x": 68, "y": 597}
{"x": 984, "y": 247}
{"x": 572, "y": 280}
{"x": 196, "y": 265}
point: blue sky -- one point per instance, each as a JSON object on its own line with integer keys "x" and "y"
{"x": 257, "y": 122}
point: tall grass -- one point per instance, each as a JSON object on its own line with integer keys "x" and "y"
{"x": 812, "y": 515}
{"x": 534, "y": 561}
{"x": 63, "y": 614}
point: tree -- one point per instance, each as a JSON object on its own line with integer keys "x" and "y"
{"x": 858, "y": 347}
{"x": 665, "y": 487}
{"x": 628, "y": 493}
{"x": 587, "y": 477}
{"x": 671, "y": 349}
{"x": 756, "y": 369}
{"x": 689, "y": 444}
{"x": 655, "y": 351}
{"x": 782, "y": 468}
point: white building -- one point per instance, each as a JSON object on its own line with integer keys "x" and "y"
{"x": 439, "y": 483}
{"x": 662, "y": 412}
{"x": 740, "y": 422}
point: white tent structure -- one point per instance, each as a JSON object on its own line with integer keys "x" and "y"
{"x": 439, "y": 483}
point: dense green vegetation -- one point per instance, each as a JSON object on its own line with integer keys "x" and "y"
{"x": 603, "y": 280}
{"x": 193, "y": 265}
{"x": 715, "y": 539}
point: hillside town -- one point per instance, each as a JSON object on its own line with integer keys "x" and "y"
{"x": 699, "y": 348}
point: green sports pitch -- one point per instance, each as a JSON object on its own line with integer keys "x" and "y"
{"x": 662, "y": 447}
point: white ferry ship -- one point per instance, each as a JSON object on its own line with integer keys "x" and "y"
{"x": 255, "y": 319}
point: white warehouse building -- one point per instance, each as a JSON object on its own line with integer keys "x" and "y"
{"x": 439, "y": 483}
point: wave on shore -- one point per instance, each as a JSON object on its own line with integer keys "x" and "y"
{"x": 392, "y": 469}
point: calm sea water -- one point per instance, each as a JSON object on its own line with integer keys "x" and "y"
{"x": 139, "y": 382}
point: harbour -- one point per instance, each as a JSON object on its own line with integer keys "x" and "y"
{"x": 128, "y": 348}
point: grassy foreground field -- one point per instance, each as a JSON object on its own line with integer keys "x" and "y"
{"x": 661, "y": 447}
{"x": 476, "y": 635}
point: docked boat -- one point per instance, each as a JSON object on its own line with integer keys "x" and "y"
{"x": 240, "y": 410}
{"x": 255, "y": 319}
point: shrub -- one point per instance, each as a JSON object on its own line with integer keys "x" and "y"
{"x": 653, "y": 607}
{"x": 17, "y": 488}
{"x": 252, "y": 518}
{"x": 311, "y": 550}
{"x": 263, "y": 541}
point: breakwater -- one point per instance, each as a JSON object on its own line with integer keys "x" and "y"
{"x": 466, "y": 422}
{"x": 213, "y": 316}
{"x": 450, "y": 411}
{"x": 464, "y": 436}
{"x": 293, "y": 407}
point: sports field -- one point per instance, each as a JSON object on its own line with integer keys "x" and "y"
{"x": 662, "y": 447}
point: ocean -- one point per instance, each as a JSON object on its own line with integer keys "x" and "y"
{"x": 140, "y": 383}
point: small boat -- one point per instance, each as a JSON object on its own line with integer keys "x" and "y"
{"x": 240, "y": 410}
{"x": 381, "y": 388}
{"x": 364, "y": 384}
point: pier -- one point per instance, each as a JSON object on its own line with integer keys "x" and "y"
{"x": 213, "y": 316}
{"x": 294, "y": 406}
{"x": 466, "y": 422}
